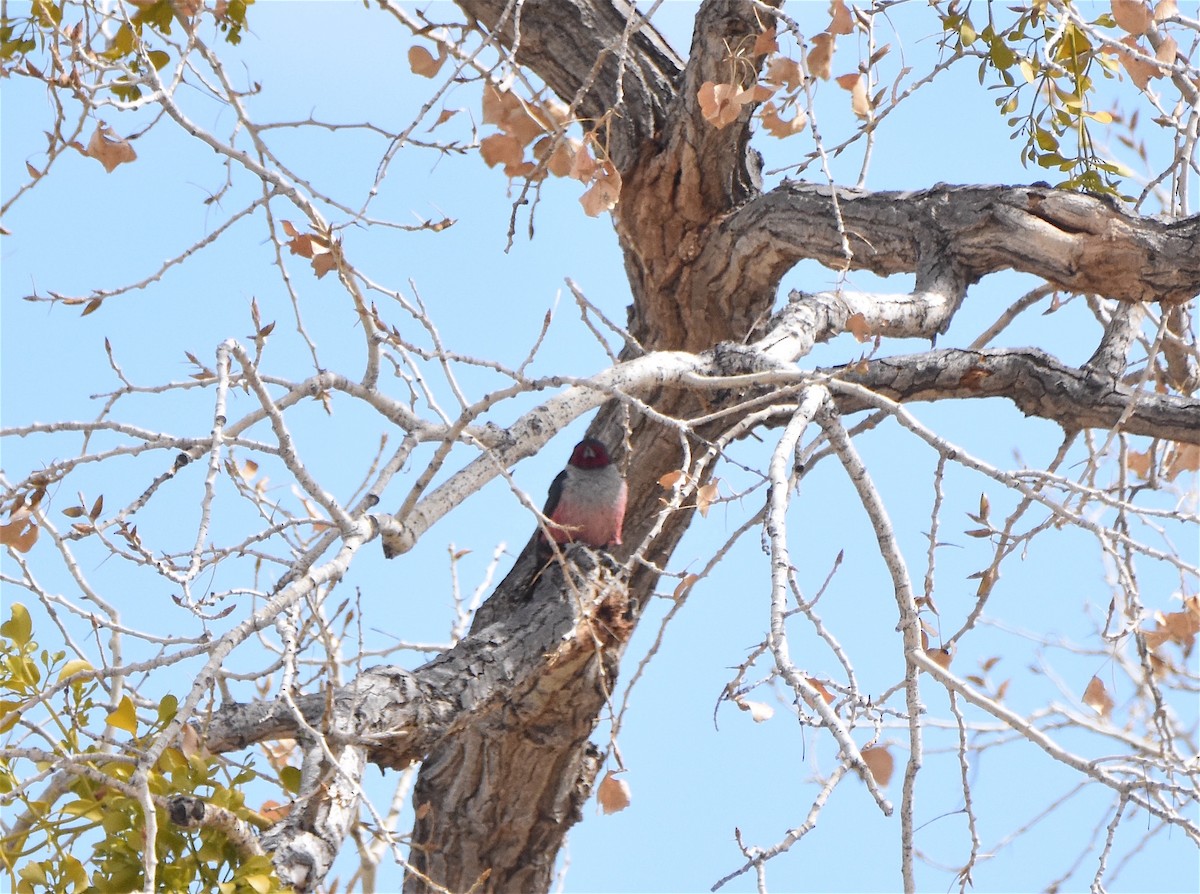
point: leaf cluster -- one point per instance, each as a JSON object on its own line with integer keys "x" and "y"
{"x": 95, "y": 804}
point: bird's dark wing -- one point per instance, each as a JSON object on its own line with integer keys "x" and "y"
{"x": 552, "y": 498}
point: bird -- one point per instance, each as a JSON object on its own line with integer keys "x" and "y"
{"x": 587, "y": 499}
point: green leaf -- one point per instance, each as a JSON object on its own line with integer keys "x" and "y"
{"x": 19, "y": 627}
{"x": 290, "y": 777}
{"x": 167, "y": 709}
{"x": 9, "y": 715}
{"x": 124, "y": 717}
{"x": 1002, "y": 57}
{"x": 1046, "y": 140}
{"x": 260, "y": 883}
{"x": 73, "y": 667}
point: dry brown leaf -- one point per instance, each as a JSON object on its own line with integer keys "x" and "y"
{"x": 780, "y": 127}
{"x": 522, "y": 126}
{"x": 880, "y": 762}
{"x": 705, "y": 494}
{"x": 720, "y": 104}
{"x": 443, "y": 117}
{"x": 1181, "y": 458}
{"x": 558, "y": 155}
{"x": 1133, "y": 16}
{"x": 191, "y": 744}
{"x": 1182, "y": 627}
{"x": 423, "y": 62}
{"x": 1140, "y": 71}
{"x": 784, "y": 72}
{"x": 860, "y": 104}
{"x": 820, "y": 57}
{"x": 841, "y": 22}
{"x": 759, "y": 711}
{"x": 1165, "y": 10}
{"x": 20, "y": 532}
{"x": 1167, "y": 50}
{"x": 1139, "y": 463}
{"x": 941, "y": 657}
{"x": 765, "y": 43}
{"x": 612, "y": 793}
{"x": 273, "y": 811}
{"x": 669, "y": 480}
{"x": 684, "y": 586}
{"x": 501, "y": 149}
{"x": 108, "y": 151}
{"x": 857, "y": 326}
{"x": 323, "y": 261}
{"x": 604, "y": 192}
{"x": 583, "y": 166}
{"x": 1097, "y": 698}
{"x": 821, "y": 690}
{"x": 497, "y": 104}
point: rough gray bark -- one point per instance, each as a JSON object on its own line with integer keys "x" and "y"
{"x": 501, "y": 722}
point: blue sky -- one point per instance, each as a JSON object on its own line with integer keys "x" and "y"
{"x": 691, "y": 781}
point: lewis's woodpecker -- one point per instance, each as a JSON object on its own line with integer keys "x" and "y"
{"x": 587, "y": 499}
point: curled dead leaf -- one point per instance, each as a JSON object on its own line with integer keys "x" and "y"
{"x": 273, "y": 811}
{"x": 857, "y": 325}
{"x": 424, "y": 63}
{"x": 612, "y": 793}
{"x": 705, "y": 495}
{"x": 765, "y": 43}
{"x": 1181, "y": 458}
{"x": 1096, "y": 697}
{"x": 669, "y": 480}
{"x": 840, "y": 20}
{"x": 684, "y": 586}
{"x": 20, "y": 532}
{"x": 820, "y": 57}
{"x": 824, "y": 693}
{"x": 720, "y": 104}
{"x": 880, "y": 762}
{"x": 781, "y": 127}
{"x": 759, "y": 711}
{"x": 860, "y": 103}
{"x": 941, "y": 657}
{"x": 604, "y": 193}
{"x": 501, "y": 149}
{"x": 108, "y": 150}
{"x": 1165, "y": 10}
{"x": 1133, "y": 16}
{"x": 785, "y": 73}
{"x": 1140, "y": 70}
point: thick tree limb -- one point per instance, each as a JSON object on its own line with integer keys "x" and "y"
{"x": 1078, "y": 242}
{"x": 1037, "y": 383}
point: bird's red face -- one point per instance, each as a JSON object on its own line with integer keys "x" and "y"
{"x": 589, "y": 454}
